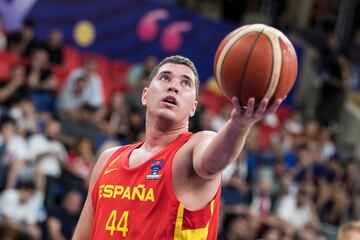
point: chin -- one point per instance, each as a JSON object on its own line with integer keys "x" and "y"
{"x": 171, "y": 117}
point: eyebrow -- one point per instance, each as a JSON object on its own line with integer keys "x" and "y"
{"x": 170, "y": 73}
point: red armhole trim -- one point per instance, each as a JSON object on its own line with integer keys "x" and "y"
{"x": 168, "y": 181}
{"x": 112, "y": 156}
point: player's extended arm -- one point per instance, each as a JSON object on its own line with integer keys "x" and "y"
{"x": 84, "y": 226}
{"x": 215, "y": 151}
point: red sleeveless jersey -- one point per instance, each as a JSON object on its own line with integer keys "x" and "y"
{"x": 140, "y": 202}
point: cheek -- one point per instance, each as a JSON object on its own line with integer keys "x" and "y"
{"x": 190, "y": 102}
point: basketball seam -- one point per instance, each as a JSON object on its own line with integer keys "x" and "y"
{"x": 227, "y": 47}
{"x": 225, "y": 55}
{"x": 276, "y": 64}
{"x": 246, "y": 64}
{"x": 278, "y": 82}
{"x": 272, "y": 68}
{"x": 217, "y": 63}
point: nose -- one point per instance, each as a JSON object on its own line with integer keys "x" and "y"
{"x": 173, "y": 87}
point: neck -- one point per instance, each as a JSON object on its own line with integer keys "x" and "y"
{"x": 160, "y": 133}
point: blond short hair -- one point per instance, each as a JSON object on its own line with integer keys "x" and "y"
{"x": 348, "y": 228}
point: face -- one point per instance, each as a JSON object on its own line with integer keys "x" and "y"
{"x": 53, "y": 129}
{"x": 265, "y": 187}
{"x": 117, "y": 100}
{"x": 18, "y": 71}
{"x": 90, "y": 66}
{"x": 272, "y": 234}
{"x": 8, "y": 129}
{"x": 85, "y": 146}
{"x": 302, "y": 199}
{"x": 171, "y": 94}
{"x": 40, "y": 57}
{"x": 27, "y": 107}
{"x": 55, "y": 38}
{"x": 238, "y": 229}
{"x": 72, "y": 202}
{"x": 25, "y": 194}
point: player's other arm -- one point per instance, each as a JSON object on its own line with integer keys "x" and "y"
{"x": 213, "y": 152}
{"x": 84, "y": 225}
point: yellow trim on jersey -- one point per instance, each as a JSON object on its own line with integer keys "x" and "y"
{"x": 199, "y": 233}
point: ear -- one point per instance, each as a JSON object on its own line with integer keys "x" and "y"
{"x": 144, "y": 96}
{"x": 194, "y": 109}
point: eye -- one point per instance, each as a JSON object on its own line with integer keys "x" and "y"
{"x": 165, "y": 77}
{"x": 186, "y": 83}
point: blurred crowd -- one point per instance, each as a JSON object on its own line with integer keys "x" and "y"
{"x": 290, "y": 182}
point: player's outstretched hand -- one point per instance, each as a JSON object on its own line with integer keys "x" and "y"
{"x": 246, "y": 116}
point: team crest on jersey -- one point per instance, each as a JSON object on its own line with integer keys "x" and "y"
{"x": 155, "y": 166}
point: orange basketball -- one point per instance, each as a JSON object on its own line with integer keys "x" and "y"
{"x": 255, "y": 61}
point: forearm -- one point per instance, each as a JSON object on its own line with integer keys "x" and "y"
{"x": 224, "y": 148}
{"x": 213, "y": 153}
{"x": 6, "y": 92}
{"x": 54, "y": 229}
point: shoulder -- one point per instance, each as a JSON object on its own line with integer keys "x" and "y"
{"x": 202, "y": 136}
{"x": 105, "y": 155}
{"x": 197, "y": 140}
{"x": 8, "y": 196}
{"x": 34, "y": 139}
{"x": 100, "y": 164}
{"x": 73, "y": 76}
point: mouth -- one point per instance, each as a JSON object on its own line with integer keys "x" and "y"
{"x": 170, "y": 100}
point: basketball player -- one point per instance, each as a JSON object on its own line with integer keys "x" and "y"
{"x": 168, "y": 186}
{"x": 349, "y": 231}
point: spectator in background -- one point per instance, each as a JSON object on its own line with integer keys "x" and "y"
{"x": 237, "y": 167}
{"x": 54, "y": 46}
{"x": 15, "y": 88}
{"x": 41, "y": 81}
{"x": 219, "y": 120}
{"x": 80, "y": 165}
{"x": 352, "y": 184}
{"x": 20, "y": 209}
{"x": 336, "y": 200}
{"x": 238, "y": 228}
{"x": 136, "y": 125}
{"x": 235, "y": 196}
{"x": 325, "y": 144}
{"x": 62, "y": 219}
{"x": 3, "y": 40}
{"x": 81, "y": 126}
{"x": 28, "y": 119}
{"x": 113, "y": 119}
{"x": 309, "y": 134}
{"x": 15, "y": 153}
{"x": 305, "y": 163}
{"x": 137, "y": 71}
{"x": 349, "y": 231}
{"x": 92, "y": 94}
{"x": 39, "y": 76}
{"x": 133, "y": 97}
{"x": 23, "y": 42}
{"x": 297, "y": 210}
{"x": 262, "y": 207}
{"x": 281, "y": 141}
{"x": 336, "y": 71}
{"x": 71, "y": 100}
{"x": 262, "y": 203}
{"x": 49, "y": 156}
{"x": 49, "y": 153}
